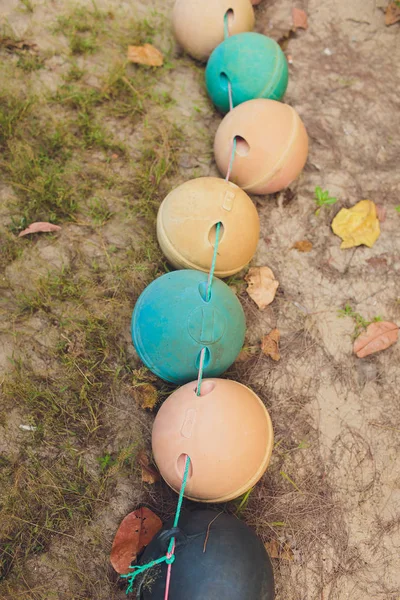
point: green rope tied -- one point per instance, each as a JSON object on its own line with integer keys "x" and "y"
{"x": 169, "y": 557}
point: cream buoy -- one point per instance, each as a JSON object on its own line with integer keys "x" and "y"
{"x": 199, "y": 24}
{"x": 187, "y": 220}
{"x": 271, "y": 145}
{"x": 226, "y": 432}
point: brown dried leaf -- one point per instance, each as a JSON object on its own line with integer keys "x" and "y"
{"x": 135, "y": 532}
{"x": 299, "y": 17}
{"x": 377, "y": 337}
{"x": 284, "y": 39}
{"x": 145, "y": 395}
{"x": 392, "y": 13}
{"x": 18, "y": 45}
{"x": 145, "y": 55}
{"x": 270, "y": 344}
{"x": 377, "y": 262}
{"x": 303, "y": 246}
{"x": 262, "y": 285}
{"x": 381, "y": 212}
{"x": 149, "y": 473}
{"x": 275, "y": 550}
{"x": 39, "y": 227}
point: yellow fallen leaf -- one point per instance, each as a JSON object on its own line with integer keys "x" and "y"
{"x": 270, "y": 344}
{"x": 262, "y": 285}
{"x": 145, "y": 55}
{"x": 357, "y": 225}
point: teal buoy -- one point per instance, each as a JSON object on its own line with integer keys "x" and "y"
{"x": 255, "y": 66}
{"x": 172, "y": 322}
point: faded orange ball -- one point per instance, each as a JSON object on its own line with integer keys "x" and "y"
{"x": 187, "y": 220}
{"x": 271, "y": 145}
{"x": 199, "y": 24}
{"x": 226, "y": 432}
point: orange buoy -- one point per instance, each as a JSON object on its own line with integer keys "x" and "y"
{"x": 226, "y": 432}
{"x": 199, "y": 24}
{"x": 187, "y": 221}
{"x": 271, "y": 145}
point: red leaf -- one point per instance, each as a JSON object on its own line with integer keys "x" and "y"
{"x": 377, "y": 337}
{"x": 39, "y": 227}
{"x": 299, "y": 17}
{"x": 135, "y": 532}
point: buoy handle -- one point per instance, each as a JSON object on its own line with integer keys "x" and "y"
{"x": 165, "y": 537}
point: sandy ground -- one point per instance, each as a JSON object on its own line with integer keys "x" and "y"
{"x": 337, "y": 416}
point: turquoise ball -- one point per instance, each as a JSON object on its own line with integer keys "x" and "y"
{"x": 172, "y": 322}
{"x": 255, "y": 66}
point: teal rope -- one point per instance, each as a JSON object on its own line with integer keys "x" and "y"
{"x": 138, "y": 569}
{"x": 213, "y": 262}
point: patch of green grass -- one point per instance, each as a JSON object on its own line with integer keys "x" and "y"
{"x": 48, "y": 491}
{"x": 82, "y": 26}
{"x": 99, "y": 211}
{"x": 397, "y": 208}
{"x": 10, "y": 248}
{"x": 322, "y": 198}
{"x": 158, "y": 162}
{"x": 39, "y": 155}
{"x": 29, "y": 62}
{"x": 39, "y": 171}
{"x": 56, "y": 287}
{"x": 13, "y": 111}
{"x": 360, "y": 324}
{"x": 29, "y": 6}
{"x": 74, "y": 73}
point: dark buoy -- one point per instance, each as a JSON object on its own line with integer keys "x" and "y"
{"x": 234, "y": 565}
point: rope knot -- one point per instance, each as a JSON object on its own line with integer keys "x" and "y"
{"x": 170, "y": 558}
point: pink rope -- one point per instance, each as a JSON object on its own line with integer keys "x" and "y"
{"x": 168, "y": 581}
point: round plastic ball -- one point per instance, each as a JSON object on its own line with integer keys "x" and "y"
{"x": 187, "y": 220}
{"x": 234, "y": 565}
{"x": 199, "y": 24}
{"x": 226, "y": 432}
{"x": 173, "y": 321}
{"x": 254, "y": 65}
{"x": 271, "y": 145}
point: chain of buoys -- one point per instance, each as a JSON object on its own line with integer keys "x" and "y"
{"x": 212, "y": 438}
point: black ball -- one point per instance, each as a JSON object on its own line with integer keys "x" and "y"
{"x": 234, "y": 565}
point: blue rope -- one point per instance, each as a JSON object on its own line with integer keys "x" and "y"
{"x": 138, "y": 569}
